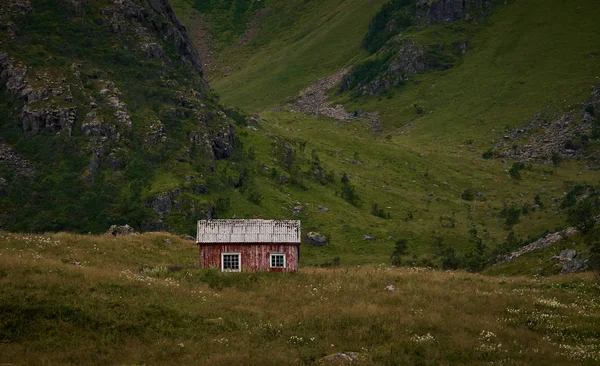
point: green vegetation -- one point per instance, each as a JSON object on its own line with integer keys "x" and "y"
{"x": 393, "y": 18}
{"x": 140, "y": 299}
{"x": 228, "y": 18}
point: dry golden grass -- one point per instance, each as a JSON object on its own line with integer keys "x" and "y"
{"x": 101, "y": 300}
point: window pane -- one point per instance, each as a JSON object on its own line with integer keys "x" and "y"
{"x": 278, "y": 260}
{"x": 231, "y": 262}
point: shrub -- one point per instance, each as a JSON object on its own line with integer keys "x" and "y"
{"x": 515, "y": 170}
{"x": 348, "y": 193}
{"x": 399, "y": 250}
{"x": 476, "y": 260}
{"x": 590, "y": 109}
{"x": 556, "y": 159}
{"x": 449, "y": 259}
{"x": 511, "y": 215}
{"x": 468, "y": 194}
{"x": 379, "y": 212}
{"x": 489, "y": 154}
{"x": 393, "y": 18}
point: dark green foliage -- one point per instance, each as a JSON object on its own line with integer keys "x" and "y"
{"x": 509, "y": 245}
{"x": 556, "y": 159}
{"x": 515, "y": 170}
{"x": 222, "y": 205}
{"x": 367, "y": 71}
{"x": 590, "y": 109}
{"x": 379, "y": 212}
{"x": 335, "y": 262}
{"x": 584, "y": 211}
{"x": 228, "y": 19}
{"x": 393, "y": 18}
{"x": 511, "y": 215}
{"x": 449, "y": 259}
{"x": 475, "y": 260}
{"x": 596, "y": 128}
{"x": 489, "y": 154}
{"x": 469, "y": 194}
{"x": 348, "y": 192}
{"x": 399, "y": 250}
{"x": 573, "y": 195}
{"x": 418, "y": 109}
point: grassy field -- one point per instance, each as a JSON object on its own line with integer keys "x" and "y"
{"x": 140, "y": 300}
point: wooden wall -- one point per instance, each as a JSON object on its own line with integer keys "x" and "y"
{"x": 255, "y": 257}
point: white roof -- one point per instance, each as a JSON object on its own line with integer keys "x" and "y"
{"x": 248, "y": 231}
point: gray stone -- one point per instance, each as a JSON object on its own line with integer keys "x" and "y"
{"x": 124, "y": 230}
{"x": 567, "y": 254}
{"x": 283, "y": 179}
{"x": 370, "y": 238}
{"x": 316, "y": 239}
{"x": 324, "y": 209}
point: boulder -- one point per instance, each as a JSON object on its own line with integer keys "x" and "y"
{"x": 567, "y": 254}
{"x": 316, "y": 239}
{"x": 370, "y": 238}
{"x": 342, "y": 358}
{"x": 117, "y": 230}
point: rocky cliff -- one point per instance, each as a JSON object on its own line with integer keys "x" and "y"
{"x": 443, "y": 11}
{"x": 111, "y": 94}
{"x": 404, "y": 54}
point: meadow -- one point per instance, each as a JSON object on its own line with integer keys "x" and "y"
{"x": 82, "y": 299}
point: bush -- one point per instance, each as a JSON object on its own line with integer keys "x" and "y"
{"x": 476, "y": 260}
{"x": 556, "y": 159}
{"x": 399, "y": 250}
{"x": 449, "y": 259}
{"x": 393, "y": 18}
{"x": 379, "y": 212}
{"x": 489, "y": 154}
{"x": 511, "y": 215}
{"x": 515, "y": 171}
{"x": 348, "y": 192}
{"x": 468, "y": 194}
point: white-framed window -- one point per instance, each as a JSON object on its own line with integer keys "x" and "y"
{"x": 277, "y": 260}
{"x": 231, "y": 262}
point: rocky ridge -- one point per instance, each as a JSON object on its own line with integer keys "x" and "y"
{"x": 313, "y": 101}
{"x": 431, "y": 12}
{"x": 558, "y": 137}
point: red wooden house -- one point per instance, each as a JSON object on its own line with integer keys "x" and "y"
{"x": 249, "y": 245}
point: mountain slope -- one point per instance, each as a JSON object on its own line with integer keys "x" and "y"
{"x": 106, "y": 102}
{"x": 422, "y": 154}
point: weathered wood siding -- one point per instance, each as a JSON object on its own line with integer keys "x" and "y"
{"x": 255, "y": 256}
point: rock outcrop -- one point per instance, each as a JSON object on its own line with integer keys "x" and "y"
{"x": 316, "y": 239}
{"x": 569, "y": 261}
{"x": 539, "y": 244}
{"x": 547, "y": 138}
{"x": 444, "y": 11}
{"x": 408, "y": 59}
{"x": 13, "y": 160}
{"x": 120, "y": 230}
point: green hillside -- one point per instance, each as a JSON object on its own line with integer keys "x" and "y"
{"x": 454, "y": 132}
{"x": 522, "y": 58}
